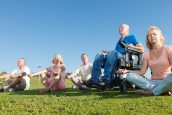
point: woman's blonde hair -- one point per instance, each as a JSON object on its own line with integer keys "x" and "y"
{"x": 57, "y": 56}
{"x": 148, "y": 44}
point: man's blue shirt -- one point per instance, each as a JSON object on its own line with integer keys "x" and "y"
{"x": 131, "y": 39}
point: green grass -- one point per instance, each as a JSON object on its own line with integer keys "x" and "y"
{"x": 78, "y": 102}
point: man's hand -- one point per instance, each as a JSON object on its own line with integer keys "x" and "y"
{"x": 131, "y": 46}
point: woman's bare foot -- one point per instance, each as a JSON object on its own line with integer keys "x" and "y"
{"x": 144, "y": 92}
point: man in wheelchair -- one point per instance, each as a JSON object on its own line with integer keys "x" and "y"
{"x": 131, "y": 60}
{"x": 109, "y": 59}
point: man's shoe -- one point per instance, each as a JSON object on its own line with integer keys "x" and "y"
{"x": 104, "y": 83}
{"x": 2, "y": 89}
{"x": 85, "y": 87}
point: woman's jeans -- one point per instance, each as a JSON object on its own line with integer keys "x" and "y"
{"x": 156, "y": 86}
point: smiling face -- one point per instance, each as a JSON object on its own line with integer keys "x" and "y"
{"x": 154, "y": 37}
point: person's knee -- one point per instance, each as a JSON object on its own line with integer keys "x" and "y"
{"x": 97, "y": 56}
{"x": 23, "y": 85}
{"x": 100, "y": 56}
{"x": 7, "y": 81}
{"x": 114, "y": 52}
{"x": 114, "y": 55}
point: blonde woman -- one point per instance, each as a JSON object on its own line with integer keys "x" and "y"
{"x": 159, "y": 60}
{"x": 56, "y": 81}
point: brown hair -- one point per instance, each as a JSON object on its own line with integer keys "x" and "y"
{"x": 83, "y": 54}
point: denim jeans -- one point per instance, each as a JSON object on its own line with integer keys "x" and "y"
{"x": 108, "y": 60}
{"x": 156, "y": 86}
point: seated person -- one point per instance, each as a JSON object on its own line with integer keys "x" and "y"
{"x": 56, "y": 81}
{"x": 20, "y": 80}
{"x": 110, "y": 58}
{"x": 159, "y": 60}
{"x": 84, "y": 71}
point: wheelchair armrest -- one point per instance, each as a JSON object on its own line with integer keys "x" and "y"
{"x": 133, "y": 50}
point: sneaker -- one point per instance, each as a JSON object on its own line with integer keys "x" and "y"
{"x": 85, "y": 87}
{"x": 169, "y": 93}
{"x": 8, "y": 89}
{"x": 75, "y": 87}
{"x": 2, "y": 89}
{"x": 104, "y": 83}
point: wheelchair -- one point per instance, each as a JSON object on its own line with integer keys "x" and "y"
{"x": 131, "y": 60}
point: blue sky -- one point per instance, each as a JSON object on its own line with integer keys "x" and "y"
{"x": 38, "y": 29}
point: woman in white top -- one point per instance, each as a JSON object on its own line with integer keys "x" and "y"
{"x": 84, "y": 71}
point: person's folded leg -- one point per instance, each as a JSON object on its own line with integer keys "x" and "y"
{"x": 112, "y": 58}
{"x": 164, "y": 86}
{"x": 140, "y": 82}
{"x": 96, "y": 69}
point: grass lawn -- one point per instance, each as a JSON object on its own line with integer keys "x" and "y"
{"x": 79, "y": 102}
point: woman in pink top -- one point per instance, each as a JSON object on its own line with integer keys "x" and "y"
{"x": 56, "y": 81}
{"x": 159, "y": 60}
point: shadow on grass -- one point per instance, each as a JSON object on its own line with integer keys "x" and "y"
{"x": 76, "y": 92}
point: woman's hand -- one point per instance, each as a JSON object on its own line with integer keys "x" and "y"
{"x": 123, "y": 71}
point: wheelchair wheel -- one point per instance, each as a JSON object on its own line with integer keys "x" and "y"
{"x": 123, "y": 86}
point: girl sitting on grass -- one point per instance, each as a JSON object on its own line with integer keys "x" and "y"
{"x": 56, "y": 79}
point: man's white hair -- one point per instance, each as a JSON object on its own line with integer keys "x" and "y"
{"x": 126, "y": 25}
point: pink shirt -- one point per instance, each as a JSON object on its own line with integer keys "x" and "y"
{"x": 61, "y": 83}
{"x": 161, "y": 66}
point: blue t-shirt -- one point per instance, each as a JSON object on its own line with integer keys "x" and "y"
{"x": 131, "y": 39}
